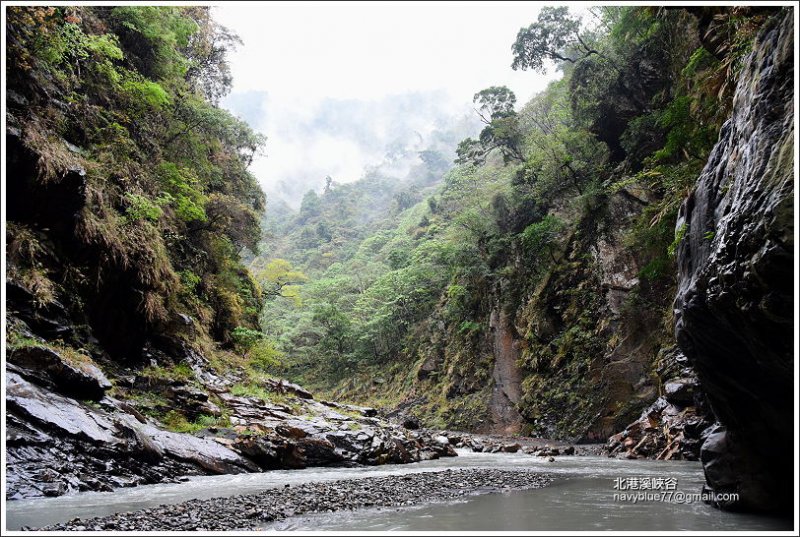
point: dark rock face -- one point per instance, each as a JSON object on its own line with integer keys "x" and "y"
{"x": 672, "y": 427}
{"x": 56, "y": 445}
{"x": 81, "y": 379}
{"x": 50, "y": 320}
{"x": 630, "y": 94}
{"x": 664, "y": 431}
{"x": 64, "y": 435}
{"x": 734, "y": 317}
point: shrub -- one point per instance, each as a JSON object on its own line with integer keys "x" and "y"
{"x": 182, "y": 185}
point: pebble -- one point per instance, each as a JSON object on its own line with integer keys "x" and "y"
{"x": 253, "y": 511}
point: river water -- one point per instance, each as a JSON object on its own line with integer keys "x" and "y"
{"x": 580, "y": 498}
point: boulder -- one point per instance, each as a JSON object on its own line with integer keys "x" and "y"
{"x": 663, "y": 431}
{"x": 442, "y": 440}
{"x": 78, "y": 377}
{"x": 680, "y": 391}
{"x": 730, "y": 468}
{"x": 411, "y": 423}
{"x": 57, "y": 413}
{"x": 284, "y": 386}
{"x": 270, "y": 453}
{"x": 318, "y": 452}
{"x": 204, "y": 452}
{"x": 50, "y": 320}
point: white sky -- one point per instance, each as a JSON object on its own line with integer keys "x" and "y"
{"x": 302, "y": 53}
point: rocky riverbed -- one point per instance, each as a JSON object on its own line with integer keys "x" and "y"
{"x": 66, "y": 432}
{"x": 255, "y": 511}
{"x": 71, "y": 429}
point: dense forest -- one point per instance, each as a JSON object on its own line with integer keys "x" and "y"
{"x": 608, "y": 263}
{"x": 554, "y": 231}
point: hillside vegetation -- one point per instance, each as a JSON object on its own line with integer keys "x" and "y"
{"x": 132, "y": 199}
{"x": 528, "y": 287}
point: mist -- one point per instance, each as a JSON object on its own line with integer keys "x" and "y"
{"x": 340, "y": 138}
{"x": 341, "y": 87}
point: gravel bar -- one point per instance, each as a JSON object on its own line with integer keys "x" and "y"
{"x": 253, "y": 511}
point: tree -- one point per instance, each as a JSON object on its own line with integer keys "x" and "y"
{"x": 309, "y": 207}
{"x": 541, "y": 238}
{"x": 209, "y": 73}
{"x": 279, "y": 278}
{"x": 556, "y": 36}
{"x": 494, "y": 102}
{"x": 337, "y": 337}
{"x": 560, "y": 155}
{"x": 496, "y": 110}
{"x": 256, "y": 348}
{"x": 504, "y": 133}
{"x": 470, "y": 151}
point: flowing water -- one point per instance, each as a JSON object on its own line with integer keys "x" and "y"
{"x": 580, "y": 498}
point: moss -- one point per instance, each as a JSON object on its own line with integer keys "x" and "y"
{"x": 252, "y": 389}
{"x": 177, "y": 422}
{"x": 78, "y": 358}
{"x": 181, "y": 371}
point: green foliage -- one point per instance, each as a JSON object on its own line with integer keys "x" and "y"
{"x": 183, "y": 187}
{"x": 155, "y": 38}
{"x": 245, "y": 338}
{"x": 69, "y": 48}
{"x": 146, "y": 92}
{"x": 259, "y": 350}
{"x": 470, "y": 151}
{"x": 168, "y": 191}
{"x": 279, "y": 278}
{"x": 496, "y": 110}
{"x": 469, "y": 328}
{"x": 555, "y": 36}
{"x": 495, "y": 102}
{"x": 680, "y": 233}
{"x": 177, "y": 422}
{"x": 189, "y": 280}
{"x": 684, "y": 134}
{"x": 180, "y": 372}
{"x": 264, "y": 356}
{"x": 141, "y": 207}
{"x": 540, "y": 239}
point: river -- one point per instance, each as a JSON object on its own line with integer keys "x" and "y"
{"x": 581, "y": 498}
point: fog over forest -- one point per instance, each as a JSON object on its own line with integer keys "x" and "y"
{"x": 340, "y": 138}
{"x": 371, "y": 89}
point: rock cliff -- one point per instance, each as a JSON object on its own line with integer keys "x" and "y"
{"x": 734, "y": 307}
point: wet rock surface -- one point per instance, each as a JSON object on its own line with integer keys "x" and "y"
{"x": 734, "y": 308}
{"x": 673, "y": 427}
{"x": 68, "y": 376}
{"x": 67, "y": 438}
{"x": 664, "y": 431}
{"x": 482, "y": 443}
{"x": 257, "y": 511}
